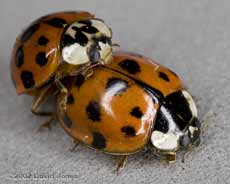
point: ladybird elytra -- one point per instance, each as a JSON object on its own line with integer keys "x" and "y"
{"x": 120, "y": 109}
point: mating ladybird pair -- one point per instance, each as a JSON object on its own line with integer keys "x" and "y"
{"x": 115, "y": 102}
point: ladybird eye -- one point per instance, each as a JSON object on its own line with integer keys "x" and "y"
{"x": 89, "y": 29}
{"x": 94, "y": 54}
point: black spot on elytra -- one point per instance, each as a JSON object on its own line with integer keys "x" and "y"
{"x": 56, "y": 22}
{"x": 94, "y": 54}
{"x": 99, "y": 141}
{"x": 164, "y": 76}
{"x": 43, "y": 40}
{"x": 41, "y": 59}
{"x": 80, "y": 79}
{"x": 161, "y": 123}
{"x": 136, "y": 112}
{"x": 131, "y": 66}
{"x": 29, "y": 32}
{"x": 70, "y": 99}
{"x": 118, "y": 84}
{"x": 93, "y": 111}
{"x": 179, "y": 105}
{"x": 27, "y": 79}
{"x": 68, "y": 123}
{"x": 80, "y": 37}
{"x": 19, "y": 57}
{"x": 129, "y": 131}
{"x": 67, "y": 40}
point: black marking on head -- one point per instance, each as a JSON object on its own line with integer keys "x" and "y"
{"x": 131, "y": 66}
{"x": 178, "y": 104}
{"x": 27, "y": 79}
{"x": 67, "y": 40}
{"x": 80, "y": 79}
{"x": 41, "y": 59}
{"x": 42, "y": 40}
{"x": 113, "y": 82}
{"x": 136, "y": 112}
{"x": 70, "y": 99}
{"x": 89, "y": 29}
{"x": 93, "y": 111}
{"x": 99, "y": 141}
{"x": 19, "y": 57}
{"x": 68, "y": 123}
{"x": 29, "y": 32}
{"x": 129, "y": 131}
{"x": 81, "y": 38}
{"x": 86, "y": 22}
{"x": 56, "y": 22}
{"x": 164, "y": 76}
{"x": 161, "y": 123}
{"x": 94, "y": 54}
{"x": 104, "y": 39}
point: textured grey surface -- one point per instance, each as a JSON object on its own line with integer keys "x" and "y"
{"x": 190, "y": 37}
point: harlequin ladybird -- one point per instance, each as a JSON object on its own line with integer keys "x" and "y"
{"x": 129, "y": 104}
{"x": 55, "y": 46}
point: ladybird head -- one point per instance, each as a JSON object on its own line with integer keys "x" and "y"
{"x": 176, "y": 125}
{"x": 87, "y": 41}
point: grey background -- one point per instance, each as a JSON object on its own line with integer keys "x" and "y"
{"x": 190, "y": 37}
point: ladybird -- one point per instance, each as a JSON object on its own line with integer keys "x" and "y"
{"x": 55, "y": 46}
{"x": 128, "y": 105}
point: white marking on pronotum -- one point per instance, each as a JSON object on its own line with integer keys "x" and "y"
{"x": 102, "y": 27}
{"x": 75, "y": 54}
{"x": 191, "y": 102}
{"x": 168, "y": 141}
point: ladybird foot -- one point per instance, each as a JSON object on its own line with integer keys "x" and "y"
{"x": 88, "y": 73}
{"x": 74, "y": 145}
{"x": 171, "y": 158}
{"x": 184, "y": 156}
{"x": 121, "y": 163}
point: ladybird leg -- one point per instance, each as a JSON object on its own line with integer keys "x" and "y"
{"x": 74, "y": 145}
{"x": 45, "y": 93}
{"x": 184, "y": 156}
{"x": 47, "y": 124}
{"x": 64, "y": 92}
{"x": 171, "y": 157}
{"x": 121, "y": 163}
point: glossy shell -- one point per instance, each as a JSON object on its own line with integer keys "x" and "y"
{"x": 114, "y": 110}
{"x": 36, "y": 53}
{"x": 108, "y": 112}
{"x": 148, "y": 71}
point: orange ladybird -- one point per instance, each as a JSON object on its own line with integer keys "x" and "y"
{"x": 128, "y": 104}
{"x": 55, "y": 46}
